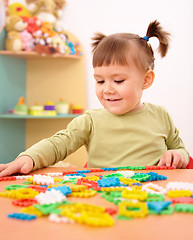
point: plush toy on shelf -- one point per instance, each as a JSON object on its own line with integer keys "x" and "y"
{"x": 49, "y": 41}
{"x": 18, "y": 38}
{"x": 19, "y": 9}
{"x": 14, "y": 25}
{"x": 33, "y": 24}
{"x": 46, "y": 10}
{"x": 36, "y": 33}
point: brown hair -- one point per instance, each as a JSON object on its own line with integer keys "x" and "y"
{"x": 114, "y": 48}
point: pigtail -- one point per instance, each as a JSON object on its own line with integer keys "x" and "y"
{"x": 96, "y": 40}
{"x": 155, "y": 30}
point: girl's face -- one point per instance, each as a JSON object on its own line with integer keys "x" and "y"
{"x": 119, "y": 88}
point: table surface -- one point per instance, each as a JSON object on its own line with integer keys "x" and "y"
{"x": 175, "y": 226}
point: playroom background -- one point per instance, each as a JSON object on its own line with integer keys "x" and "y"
{"x": 64, "y": 86}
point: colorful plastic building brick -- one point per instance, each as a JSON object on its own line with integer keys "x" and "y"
{"x": 180, "y": 186}
{"x": 134, "y": 194}
{"x": 21, "y": 193}
{"x": 63, "y": 189}
{"x": 158, "y": 206}
{"x": 153, "y": 188}
{"x": 52, "y": 196}
{"x": 179, "y": 193}
{"x": 24, "y": 202}
{"x": 133, "y": 209}
{"x": 109, "y": 182}
{"x": 32, "y": 210}
{"x": 22, "y": 216}
{"x": 182, "y": 200}
{"x": 184, "y": 208}
{"x": 85, "y": 193}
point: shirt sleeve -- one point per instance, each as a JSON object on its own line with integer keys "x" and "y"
{"x": 56, "y": 148}
{"x": 173, "y": 141}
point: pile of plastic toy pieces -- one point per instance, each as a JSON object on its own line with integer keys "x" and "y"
{"x": 133, "y": 194}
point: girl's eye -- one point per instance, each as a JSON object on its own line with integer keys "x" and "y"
{"x": 100, "y": 82}
{"x": 119, "y": 81}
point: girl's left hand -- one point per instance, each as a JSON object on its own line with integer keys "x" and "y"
{"x": 173, "y": 158}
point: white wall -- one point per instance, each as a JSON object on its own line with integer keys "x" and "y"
{"x": 173, "y": 84}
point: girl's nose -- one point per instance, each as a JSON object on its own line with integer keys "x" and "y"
{"x": 108, "y": 88}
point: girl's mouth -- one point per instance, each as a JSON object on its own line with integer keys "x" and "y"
{"x": 112, "y": 100}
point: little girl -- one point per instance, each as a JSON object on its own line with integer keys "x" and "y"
{"x": 126, "y": 132}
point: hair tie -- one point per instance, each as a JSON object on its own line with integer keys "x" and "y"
{"x": 146, "y": 38}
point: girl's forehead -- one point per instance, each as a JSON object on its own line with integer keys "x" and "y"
{"x": 111, "y": 69}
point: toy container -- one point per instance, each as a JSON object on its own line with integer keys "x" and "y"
{"x": 62, "y": 107}
{"x": 36, "y": 110}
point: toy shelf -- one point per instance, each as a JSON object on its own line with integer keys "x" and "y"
{"x": 28, "y": 55}
{"x": 38, "y": 79}
{"x": 14, "y": 116}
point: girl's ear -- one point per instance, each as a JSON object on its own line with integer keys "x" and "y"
{"x": 148, "y": 79}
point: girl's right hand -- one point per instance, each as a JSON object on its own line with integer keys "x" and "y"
{"x": 23, "y": 164}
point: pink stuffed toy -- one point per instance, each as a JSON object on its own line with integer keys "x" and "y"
{"x": 27, "y": 40}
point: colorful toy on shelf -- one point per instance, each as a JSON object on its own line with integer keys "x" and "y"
{"x": 43, "y": 38}
{"x": 27, "y": 40}
{"x": 77, "y": 110}
{"x": 77, "y": 51}
{"x": 33, "y": 24}
{"x": 19, "y": 10}
{"x": 45, "y": 49}
{"x": 21, "y": 108}
{"x": 62, "y": 107}
{"x": 47, "y": 10}
{"x": 72, "y": 48}
{"x": 14, "y": 25}
{"x": 49, "y": 41}
{"x": 40, "y": 28}
{"x": 36, "y": 110}
{"x": 49, "y": 109}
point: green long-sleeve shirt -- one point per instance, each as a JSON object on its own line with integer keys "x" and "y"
{"x": 138, "y": 138}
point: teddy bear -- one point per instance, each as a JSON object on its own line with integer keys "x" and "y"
{"x": 13, "y": 26}
{"x": 14, "y": 23}
{"x": 13, "y": 42}
{"x": 18, "y": 38}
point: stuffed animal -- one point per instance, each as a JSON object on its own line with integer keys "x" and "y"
{"x": 14, "y": 23}
{"x": 19, "y": 9}
{"x": 13, "y": 26}
{"x": 27, "y": 40}
{"x": 13, "y": 42}
{"x": 45, "y": 49}
{"x": 33, "y": 24}
{"x": 47, "y": 10}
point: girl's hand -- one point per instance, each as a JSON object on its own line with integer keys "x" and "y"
{"x": 173, "y": 158}
{"x": 23, "y": 164}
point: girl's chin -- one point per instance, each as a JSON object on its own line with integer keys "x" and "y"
{"x": 114, "y": 111}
